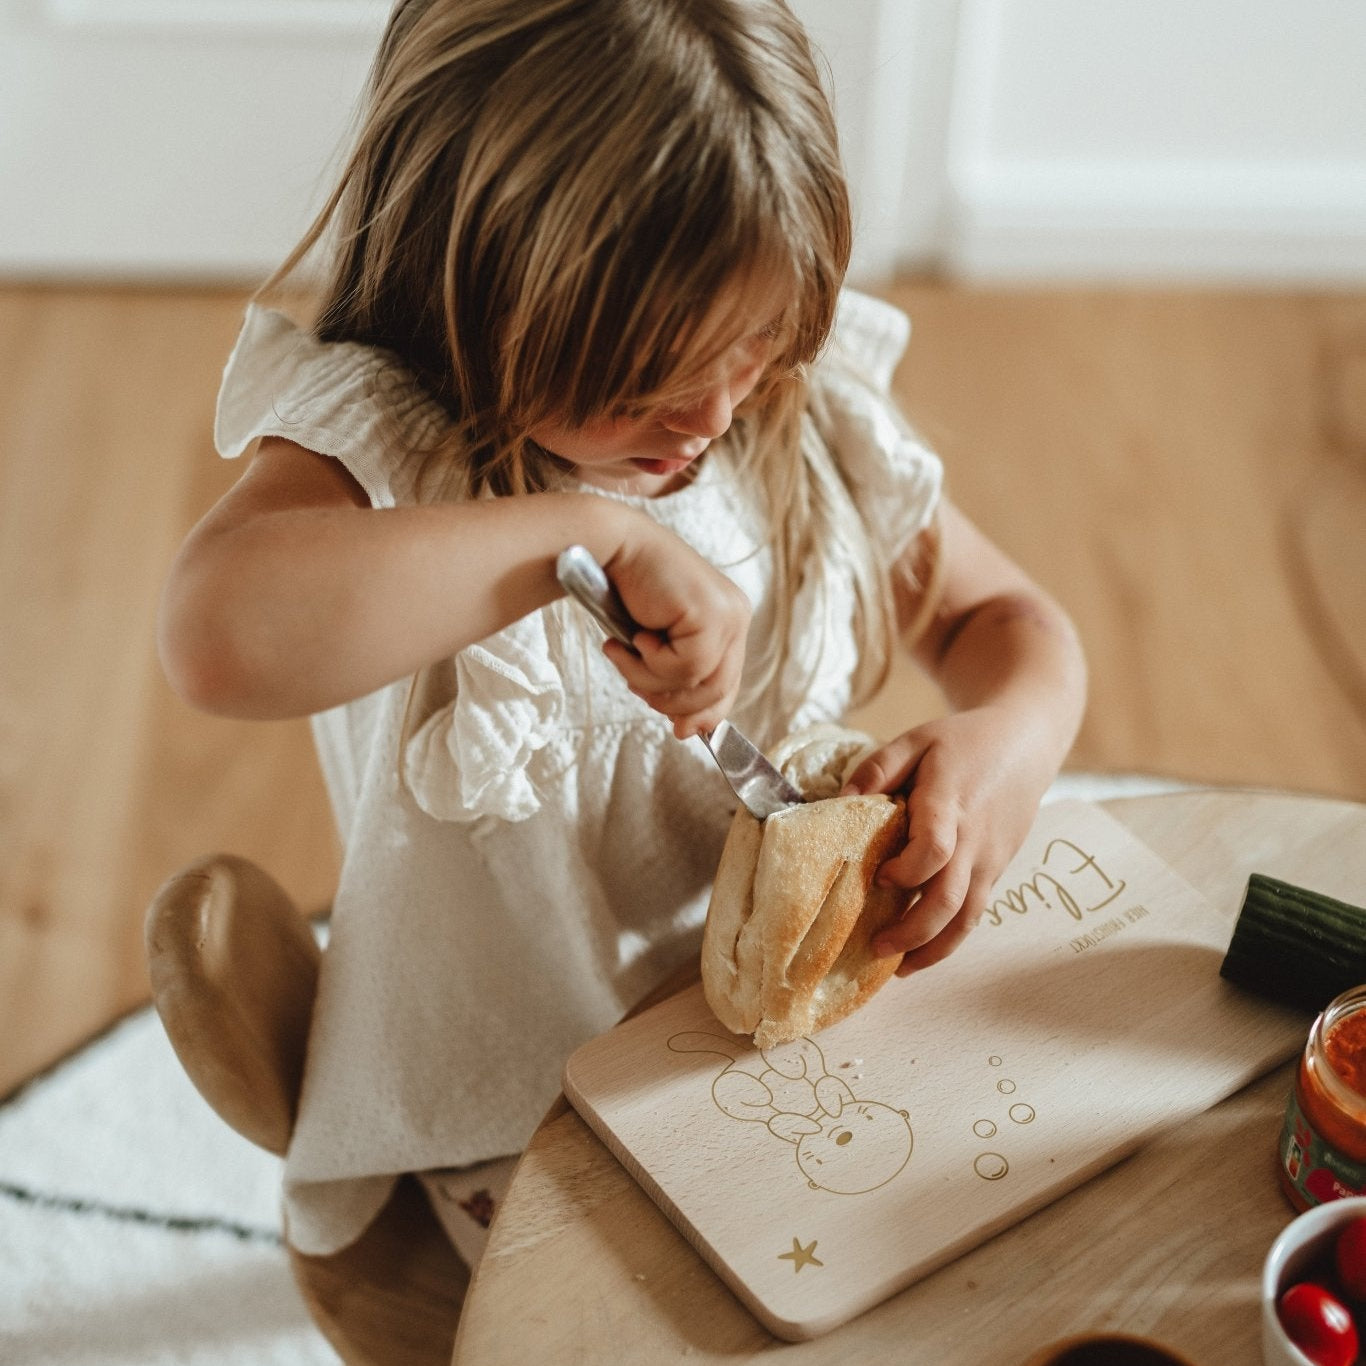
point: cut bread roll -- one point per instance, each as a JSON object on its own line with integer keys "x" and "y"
{"x": 787, "y": 946}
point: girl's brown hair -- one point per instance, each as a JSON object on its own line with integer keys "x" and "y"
{"x": 545, "y": 202}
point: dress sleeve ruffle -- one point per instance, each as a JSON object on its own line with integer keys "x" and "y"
{"x": 895, "y": 480}
{"x": 475, "y": 753}
{"x": 869, "y": 336}
{"x": 326, "y": 396}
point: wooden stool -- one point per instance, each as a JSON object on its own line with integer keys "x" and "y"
{"x": 234, "y": 971}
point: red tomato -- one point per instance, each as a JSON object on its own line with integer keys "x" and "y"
{"x": 1318, "y": 1324}
{"x": 1349, "y": 1253}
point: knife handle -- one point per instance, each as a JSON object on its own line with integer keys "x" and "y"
{"x": 582, "y": 577}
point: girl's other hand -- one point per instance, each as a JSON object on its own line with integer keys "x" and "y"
{"x": 690, "y": 651}
{"x": 973, "y": 781}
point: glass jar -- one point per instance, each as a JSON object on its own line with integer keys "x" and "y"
{"x": 1323, "y": 1141}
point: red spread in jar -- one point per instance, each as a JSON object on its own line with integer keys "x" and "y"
{"x": 1345, "y": 1048}
{"x": 1323, "y": 1141}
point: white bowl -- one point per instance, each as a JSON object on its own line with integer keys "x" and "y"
{"x": 1300, "y": 1244}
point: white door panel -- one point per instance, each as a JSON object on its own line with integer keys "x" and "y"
{"x": 1161, "y": 140}
{"x": 890, "y": 62}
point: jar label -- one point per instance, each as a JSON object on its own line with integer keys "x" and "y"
{"x": 1317, "y": 1172}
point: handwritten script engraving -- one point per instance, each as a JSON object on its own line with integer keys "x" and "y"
{"x": 1067, "y": 876}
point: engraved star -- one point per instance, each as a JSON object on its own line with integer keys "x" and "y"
{"x": 801, "y": 1256}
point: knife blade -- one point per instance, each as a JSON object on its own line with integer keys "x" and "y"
{"x": 752, "y": 777}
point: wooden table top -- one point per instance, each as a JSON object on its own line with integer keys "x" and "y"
{"x": 583, "y": 1267}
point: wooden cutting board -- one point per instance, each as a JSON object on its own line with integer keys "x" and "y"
{"x": 1082, "y": 1017}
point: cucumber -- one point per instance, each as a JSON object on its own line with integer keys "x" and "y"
{"x": 1296, "y": 947}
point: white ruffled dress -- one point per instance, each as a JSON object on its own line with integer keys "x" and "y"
{"x": 528, "y": 849}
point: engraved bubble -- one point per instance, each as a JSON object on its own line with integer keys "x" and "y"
{"x": 1022, "y": 1114}
{"x": 1006, "y": 1087}
{"x": 984, "y": 1128}
{"x": 994, "y": 1060}
{"x": 991, "y": 1166}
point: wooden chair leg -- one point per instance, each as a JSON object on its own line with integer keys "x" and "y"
{"x": 393, "y": 1298}
{"x": 234, "y": 970}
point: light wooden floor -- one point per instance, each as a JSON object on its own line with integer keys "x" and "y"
{"x": 1145, "y": 454}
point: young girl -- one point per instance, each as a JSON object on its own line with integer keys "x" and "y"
{"x": 585, "y": 261}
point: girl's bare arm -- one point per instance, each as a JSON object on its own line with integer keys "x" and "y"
{"x": 996, "y": 638}
{"x": 293, "y": 595}
{"x": 1009, "y": 663}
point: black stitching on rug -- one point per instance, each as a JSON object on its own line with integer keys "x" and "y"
{"x": 176, "y": 1223}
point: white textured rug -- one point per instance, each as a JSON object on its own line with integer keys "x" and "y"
{"x": 137, "y": 1229}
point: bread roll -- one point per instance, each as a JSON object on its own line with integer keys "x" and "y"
{"x": 786, "y": 948}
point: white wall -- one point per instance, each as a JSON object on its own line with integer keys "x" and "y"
{"x": 171, "y": 138}
{"x": 1168, "y": 139}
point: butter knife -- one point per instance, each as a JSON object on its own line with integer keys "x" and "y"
{"x": 757, "y": 783}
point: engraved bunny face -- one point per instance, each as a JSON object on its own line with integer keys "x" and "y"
{"x": 857, "y": 1151}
